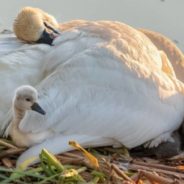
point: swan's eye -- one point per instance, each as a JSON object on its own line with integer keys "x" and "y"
{"x": 28, "y": 99}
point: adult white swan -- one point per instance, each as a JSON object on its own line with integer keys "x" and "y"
{"x": 104, "y": 83}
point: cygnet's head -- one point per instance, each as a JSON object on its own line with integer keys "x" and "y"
{"x": 26, "y": 98}
{"x": 34, "y": 25}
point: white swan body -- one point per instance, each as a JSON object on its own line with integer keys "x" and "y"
{"x": 104, "y": 84}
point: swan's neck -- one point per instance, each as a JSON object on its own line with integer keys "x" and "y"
{"x": 18, "y": 115}
{"x": 21, "y": 138}
{"x": 15, "y": 133}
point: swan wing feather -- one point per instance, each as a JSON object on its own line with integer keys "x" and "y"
{"x": 105, "y": 78}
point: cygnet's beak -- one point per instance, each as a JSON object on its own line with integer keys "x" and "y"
{"x": 36, "y": 107}
{"x": 48, "y": 37}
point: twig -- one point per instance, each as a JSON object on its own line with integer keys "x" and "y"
{"x": 121, "y": 173}
{"x": 10, "y": 152}
{"x": 158, "y": 166}
{"x": 178, "y": 157}
{"x": 72, "y": 155}
{"x": 138, "y": 167}
{"x": 156, "y": 178}
{"x": 6, "y": 144}
{"x": 7, "y": 163}
{"x": 75, "y": 161}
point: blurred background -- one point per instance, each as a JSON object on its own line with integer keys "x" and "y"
{"x": 165, "y": 16}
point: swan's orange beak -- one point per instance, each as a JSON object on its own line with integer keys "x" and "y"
{"x": 36, "y": 107}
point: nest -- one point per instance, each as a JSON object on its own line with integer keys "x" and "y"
{"x": 115, "y": 166}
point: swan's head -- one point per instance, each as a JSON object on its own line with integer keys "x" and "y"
{"x": 26, "y": 98}
{"x": 34, "y": 25}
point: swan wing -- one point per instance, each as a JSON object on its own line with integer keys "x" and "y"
{"x": 105, "y": 78}
{"x": 174, "y": 54}
{"x": 8, "y": 43}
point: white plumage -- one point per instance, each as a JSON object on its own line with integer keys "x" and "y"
{"x": 102, "y": 83}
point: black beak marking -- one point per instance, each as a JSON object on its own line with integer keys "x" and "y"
{"x": 36, "y": 107}
{"x": 46, "y": 38}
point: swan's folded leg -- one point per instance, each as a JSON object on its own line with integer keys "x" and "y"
{"x": 163, "y": 150}
{"x": 169, "y": 149}
{"x": 59, "y": 144}
{"x": 166, "y": 137}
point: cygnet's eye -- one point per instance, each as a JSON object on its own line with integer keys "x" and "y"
{"x": 28, "y": 99}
